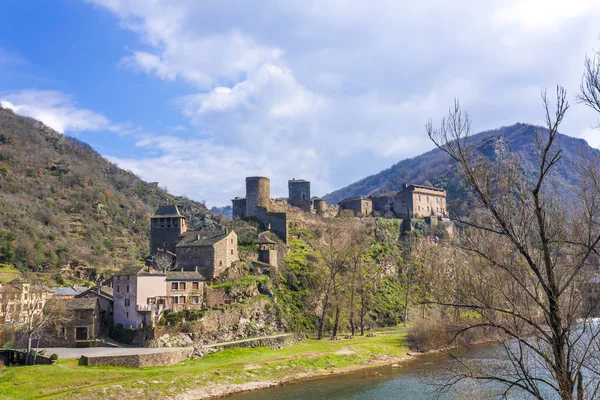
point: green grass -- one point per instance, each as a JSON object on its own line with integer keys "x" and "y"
{"x": 67, "y": 380}
{"x": 8, "y": 273}
{"x": 244, "y": 281}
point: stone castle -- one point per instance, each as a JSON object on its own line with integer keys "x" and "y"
{"x": 412, "y": 202}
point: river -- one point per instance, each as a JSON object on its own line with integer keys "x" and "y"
{"x": 414, "y": 379}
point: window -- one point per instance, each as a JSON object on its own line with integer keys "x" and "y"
{"x": 303, "y": 196}
{"x": 127, "y": 289}
{"x": 127, "y": 302}
{"x": 182, "y": 299}
{"x": 196, "y": 299}
{"x": 127, "y": 315}
{"x": 181, "y": 285}
{"x": 437, "y": 200}
{"x": 428, "y": 199}
{"x": 231, "y": 241}
{"x": 195, "y": 285}
{"x": 419, "y": 197}
{"x": 151, "y": 300}
{"x": 427, "y": 208}
{"x": 418, "y": 208}
{"x": 175, "y": 299}
{"x": 174, "y": 286}
{"x": 220, "y": 263}
{"x": 63, "y": 331}
{"x": 231, "y": 251}
{"x": 118, "y": 289}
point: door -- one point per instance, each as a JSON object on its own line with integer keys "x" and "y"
{"x": 81, "y": 333}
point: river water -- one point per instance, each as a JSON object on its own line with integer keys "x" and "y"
{"x": 414, "y": 379}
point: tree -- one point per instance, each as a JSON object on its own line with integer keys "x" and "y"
{"x": 162, "y": 261}
{"x": 533, "y": 253}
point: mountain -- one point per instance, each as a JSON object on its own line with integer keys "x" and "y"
{"x": 62, "y": 204}
{"x": 437, "y": 168}
{"x": 226, "y": 211}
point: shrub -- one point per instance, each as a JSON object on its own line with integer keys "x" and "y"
{"x": 54, "y": 357}
{"x": 122, "y": 334}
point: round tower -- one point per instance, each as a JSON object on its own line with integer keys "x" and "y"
{"x": 320, "y": 206}
{"x": 258, "y": 193}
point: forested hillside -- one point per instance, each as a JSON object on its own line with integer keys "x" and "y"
{"x": 436, "y": 167}
{"x": 62, "y": 204}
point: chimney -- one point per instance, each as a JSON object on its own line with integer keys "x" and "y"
{"x": 196, "y": 268}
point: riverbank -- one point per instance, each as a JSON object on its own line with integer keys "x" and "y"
{"x": 219, "y": 374}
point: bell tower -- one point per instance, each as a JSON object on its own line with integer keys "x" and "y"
{"x": 166, "y": 225}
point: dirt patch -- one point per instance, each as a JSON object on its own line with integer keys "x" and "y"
{"x": 345, "y": 352}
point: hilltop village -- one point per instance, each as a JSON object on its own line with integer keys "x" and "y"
{"x": 184, "y": 267}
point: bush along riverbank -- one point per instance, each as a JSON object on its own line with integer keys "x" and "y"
{"x": 218, "y": 374}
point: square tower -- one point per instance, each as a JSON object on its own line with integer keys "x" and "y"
{"x": 166, "y": 225}
{"x": 299, "y": 194}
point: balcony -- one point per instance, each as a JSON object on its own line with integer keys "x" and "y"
{"x": 144, "y": 307}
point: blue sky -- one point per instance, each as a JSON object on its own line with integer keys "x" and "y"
{"x": 199, "y": 94}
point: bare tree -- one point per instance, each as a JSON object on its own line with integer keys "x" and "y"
{"x": 163, "y": 261}
{"x": 589, "y": 93}
{"x": 532, "y": 254}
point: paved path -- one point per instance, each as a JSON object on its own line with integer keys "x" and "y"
{"x": 68, "y": 352}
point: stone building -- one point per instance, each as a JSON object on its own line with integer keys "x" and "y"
{"x": 416, "y": 201}
{"x": 360, "y": 206}
{"x": 166, "y": 225}
{"x": 209, "y": 251}
{"x": 383, "y": 204}
{"x": 104, "y": 295}
{"x": 20, "y": 301}
{"x": 135, "y": 290}
{"x": 299, "y": 194}
{"x": 84, "y": 322}
{"x": 239, "y": 207}
{"x": 185, "y": 290}
{"x": 267, "y": 251}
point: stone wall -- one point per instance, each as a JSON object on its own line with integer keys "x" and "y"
{"x": 202, "y": 257}
{"x": 215, "y": 297}
{"x": 239, "y": 207}
{"x": 277, "y": 221}
{"x": 139, "y": 360}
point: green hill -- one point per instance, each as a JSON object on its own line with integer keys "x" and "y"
{"x": 62, "y": 204}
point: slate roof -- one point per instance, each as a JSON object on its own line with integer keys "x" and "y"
{"x": 184, "y": 276}
{"x": 102, "y": 291}
{"x": 262, "y": 239}
{"x": 205, "y": 237}
{"x": 298, "y": 181}
{"x": 68, "y": 291}
{"x": 80, "y": 304}
{"x": 129, "y": 270}
{"x": 169, "y": 211}
{"x": 356, "y": 198}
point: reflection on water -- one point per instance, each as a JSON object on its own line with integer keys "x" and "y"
{"x": 412, "y": 380}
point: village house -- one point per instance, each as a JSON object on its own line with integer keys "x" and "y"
{"x": 185, "y": 290}
{"x": 104, "y": 295}
{"x": 135, "y": 291}
{"x": 20, "y": 301}
{"x": 83, "y": 322}
{"x": 360, "y": 206}
{"x": 417, "y": 201}
{"x": 208, "y": 251}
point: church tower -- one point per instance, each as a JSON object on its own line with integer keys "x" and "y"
{"x": 166, "y": 226}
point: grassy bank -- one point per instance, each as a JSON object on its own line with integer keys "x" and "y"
{"x": 220, "y": 373}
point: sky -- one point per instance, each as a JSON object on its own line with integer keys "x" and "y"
{"x": 199, "y": 94}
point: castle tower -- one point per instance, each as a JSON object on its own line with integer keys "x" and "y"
{"x": 166, "y": 226}
{"x": 258, "y": 193}
{"x": 299, "y": 194}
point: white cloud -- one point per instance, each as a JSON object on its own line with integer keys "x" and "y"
{"x": 337, "y": 90}
{"x": 55, "y": 109}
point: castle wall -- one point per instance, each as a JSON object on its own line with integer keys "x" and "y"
{"x": 382, "y": 205}
{"x": 299, "y": 194}
{"x": 239, "y": 208}
{"x": 258, "y": 194}
{"x": 277, "y": 221}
